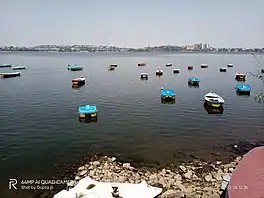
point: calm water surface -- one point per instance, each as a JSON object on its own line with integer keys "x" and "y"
{"x": 39, "y": 122}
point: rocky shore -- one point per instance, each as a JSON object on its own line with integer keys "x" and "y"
{"x": 195, "y": 179}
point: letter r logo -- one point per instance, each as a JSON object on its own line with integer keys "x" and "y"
{"x": 12, "y": 184}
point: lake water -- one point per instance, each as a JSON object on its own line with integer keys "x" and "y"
{"x": 39, "y": 124}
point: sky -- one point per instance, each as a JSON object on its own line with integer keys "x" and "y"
{"x": 132, "y": 23}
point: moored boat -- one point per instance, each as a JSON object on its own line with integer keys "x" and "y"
{"x": 240, "y": 76}
{"x": 167, "y": 94}
{"x": 159, "y": 71}
{"x": 193, "y": 81}
{"x": 75, "y": 67}
{"x": 141, "y": 64}
{"x": 78, "y": 81}
{"x": 144, "y": 76}
{"x": 230, "y": 65}
{"x": 204, "y": 65}
{"x": 176, "y": 71}
{"x": 247, "y": 179}
{"x": 87, "y": 111}
{"x": 262, "y": 71}
{"x": 9, "y": 75}
{"x": 19, "y": 67}
{"x": 111, "y": 68}
{"x": 113, "y": 65}
{"x": 190, "y": 67}
{"x": 5, "y": 65}
{"x": 88, "y": 188}
{"x": 168, "y": 64}
{"x": 214, "y": 100}
{"x": 223, "y": 69}
{"x": 243, "y": 88}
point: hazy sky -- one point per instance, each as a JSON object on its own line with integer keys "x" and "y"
{"x": 134, "y": 23}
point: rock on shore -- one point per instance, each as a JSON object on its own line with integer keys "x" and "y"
{"x": 191, "y": 180}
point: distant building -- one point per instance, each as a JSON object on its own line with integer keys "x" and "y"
{"x": 190, "y": 47}
{"x": 205, "y": 46}
{"x": 198, "y": 46}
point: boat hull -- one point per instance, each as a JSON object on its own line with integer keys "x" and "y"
{"x": 222, "y": 70}
{"x": 190, "y": 68}
{"x": 4, "y": 66}
{"x": 243, "y": 92}
{"x": 9, "y": 75}
{"x": 211, "y": 110}
{"x": 159, "y": 73}
{"x": 75, "y": 69}
{"x": 19, "y": 68}
{"x": 168, "y": 98}
{"x": 214, "y": 105}
{"x": 176, "y": 71}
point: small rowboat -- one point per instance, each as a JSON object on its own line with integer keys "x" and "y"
{"x": 78, "y": 81}
{"x": 230, "y": 65}
{"x": 190, "y": 67}
{"x": 19, "y": 67}
{"x": 159, "y": 72}
{"x": 176, "y": 71}
{"x": 204, "y": 65}
{"x": 5, "y": 65}
{"x": 222, "y": 69}
{"x": 168, "y": 64}
{"x": 9, "y": 75}
{"x": 193, "y": 81}
{"x": 75, "y": 67}
{"x": 141, "y": 64}
{"x": 240, "y": 76}
{"x": 144, "y": 76}
{"x": 87, "y": 111}
{"x": 214, "y": 100}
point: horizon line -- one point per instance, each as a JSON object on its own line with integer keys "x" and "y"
{"x": 145, "y": 46}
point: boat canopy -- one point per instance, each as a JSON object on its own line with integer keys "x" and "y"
{"x": 167, "y": 92}
{"x": 87, "y": 109}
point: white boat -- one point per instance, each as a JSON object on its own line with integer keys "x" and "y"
{"x": 88, "y": 188}
{"x": 240, "y": 76}
{"x": 159, "y": 71}
{"x": 230, "y": 65}
{"x": 214, "y": 100}
{"x": 168, "y": 64}
{"x": 144, "y": 75}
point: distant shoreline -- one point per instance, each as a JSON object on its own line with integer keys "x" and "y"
{"x": 129, "y": 52}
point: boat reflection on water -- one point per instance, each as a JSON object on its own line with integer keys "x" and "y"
{"x": 211, "y": 110}
{"x": 88, "y": 120}
{"x": 77, "y": 86}
{"x": 196, "y": 85}
{"x": 241, "y": 93}
{"x": 167, "y": 101}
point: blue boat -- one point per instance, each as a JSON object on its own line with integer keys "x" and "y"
{"x": 193, "y": 81}
{"x": 87, "y": 111}
{"x": 167, "y": 94}
{"x": 75, "y": 67}
{"x": 243, "y": 88}
{"x": 19, "y": 67}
